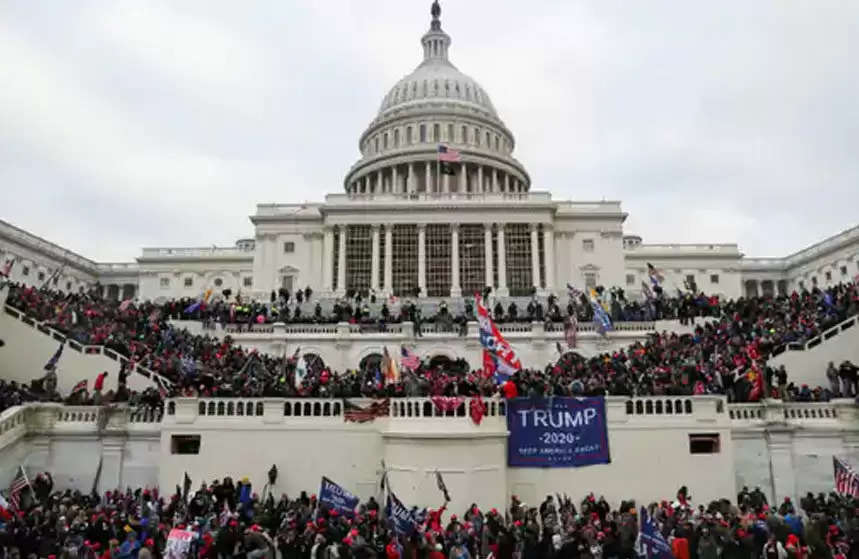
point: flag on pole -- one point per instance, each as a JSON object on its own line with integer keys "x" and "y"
{"x": 186, "y": 487}
{"x": 97, "y": 478}
{"x": 651, "y": 544}
{"x": 846, "y": 480}
{"x": 19, "y": 483}
{"x": 389, "y": 367}
{"x": 571, "y": 327}
{"x": 124, "y": 305}
{"x": 409, "y": 359}
{"x": 499, "y": 359}
{"x": 648, "y": 294}
{"x": 601, "y": 317}
{"x": 439, "y": 481}
{"x": 52, "y": 362}
{"x": 7, "y": 267}
{"x": 446, "y": 156}
{"x": 159, "y": 383}
{"x": 300, "y": 371}
{"x": 656, "y": 276}
{"x": 573, "y": 292}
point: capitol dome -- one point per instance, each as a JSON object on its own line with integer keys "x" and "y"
{"x": 436, "y": 108}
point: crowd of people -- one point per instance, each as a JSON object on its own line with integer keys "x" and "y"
{"x": 227, "y": 519}
{"x": 725, "y": 354}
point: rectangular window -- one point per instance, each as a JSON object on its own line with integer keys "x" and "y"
{"x": 843, "y": 270}
{"x": 41, "y": 276}
{"x": 690, "y": 279}
{"x": 335, "y": 254}
{"x": 438, "y": 247}
{"x": 409, "y": 135}
{"x": 630, "y": 279}
{"x": 497, "y": 143}
{"x": 25, "y": 270}
{"x": 588, "y": 245}
{"x": 541, "y": 253}
{"x": 436, "y": 132}
{"x": 404, "y": 259}
{"x": 828, "y": 276}
{"x": 590, "y": 280}
{"x": 714, "y": 278}
{"x": 358, "y": 258}
{"x": 385, "y": 141}
{"x": 488, "y": 143}
{"x": 376, "y": 144}
{"x": 517, "y": 240}
{"x": 288, "y": 247}
{"x": 189, "y": 282}
{"x": 801, "y": 284}
{"x": 68, "y": 286}
{"x": 164, "y": 282}
{"x": 464, "y": 138}
{"x": 704, "y": 443}
{"x": 477, "y": 136}
{"x": 247, "y": 281}
{"x": 450, "y": 132}
{"x": 396, "y": 137}
{"x": 472, "y": 258}
{"x": 423, "y": 133}
{"x": 185, "y": 444}
{"x": 814, "y": 280}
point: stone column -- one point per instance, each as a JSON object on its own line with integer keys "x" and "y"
{"x": 780, "y": 443}
{"x": 411, "y": 182}
{"x": 379, "y": 186}
{"x": 463, "y": 177}
{"x": 395, "y": 179}
{"x": 341, "y": 263}
{"x": 535, "y": 257}
{"x": 328, "y": 264}
{"x": 422, "y": 259}
{"x": 389, "y": 259}
{"x": 445, "y": 183}
{"x": 428, "y": 172}
{"x": 507, "y": 182}
{"x": 455, "y": 288}
{"x": 494, "y": 180}
{"x": 549, "y": 250}
{"x": 374, "y": 259}
{"x": 502, "y": 263}
{"x": 480, "y": 178}
{"x": 487, "y": 253}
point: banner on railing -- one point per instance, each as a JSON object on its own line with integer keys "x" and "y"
{"x": 335, "y": 497}
{"x": 557, "y": 432}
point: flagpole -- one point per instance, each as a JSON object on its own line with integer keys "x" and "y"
{"x": 437, "y": 171}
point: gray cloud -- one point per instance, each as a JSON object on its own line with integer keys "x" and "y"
{"x": 126, "y": 124}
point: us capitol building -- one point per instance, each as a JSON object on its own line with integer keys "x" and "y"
{"x": 401, "y": 224}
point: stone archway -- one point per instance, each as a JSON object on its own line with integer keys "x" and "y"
{"x": 370, "y": 362}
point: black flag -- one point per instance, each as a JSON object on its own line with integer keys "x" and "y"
{"x": 186, "y": 487}
{"x": 441, "y": 486}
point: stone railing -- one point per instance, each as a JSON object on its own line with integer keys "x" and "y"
{"x": 829, "y": 333}
{"x": 795, "y": 413}
{"x": 484, "y": 197}
{"x": 82, "y": 348}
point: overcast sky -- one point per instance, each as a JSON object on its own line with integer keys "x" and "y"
{"x": 126, "y": 124}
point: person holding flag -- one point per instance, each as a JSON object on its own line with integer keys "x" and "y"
{"x": 389, "y": 368}
{"x": 601, "y": 317}
{"x": 499, "y": 358}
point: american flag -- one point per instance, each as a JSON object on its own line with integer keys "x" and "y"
{"x": 17, "y": 486}
{"x": 846, "y": 480}
{"x": 409, "y": 359}
{"x": 448, "y": 155}
{"x": 358, "y": 414}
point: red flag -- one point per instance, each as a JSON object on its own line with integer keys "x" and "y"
{"x": 477, "y": 409}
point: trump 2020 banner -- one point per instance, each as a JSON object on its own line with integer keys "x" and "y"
{"x": 335, "y": 497}
{"x": 557, "y": 432}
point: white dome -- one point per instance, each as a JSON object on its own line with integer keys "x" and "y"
{"x": 436, "y": 79}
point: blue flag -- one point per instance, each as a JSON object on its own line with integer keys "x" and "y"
{"x": 402, "y": 518}
{"x": 602, "y": 319}
{"x": 52, "y": 362}
{"x": 335, "y": 497}
{"x": 651, "y": 543}
{"x": 193, "y": 307}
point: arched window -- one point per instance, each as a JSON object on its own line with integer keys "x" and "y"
{"x": 370, "y": 363}
{"x": 497, "y": 144}
{"x": 376, "y": 144}
{"x": 396, "y": 137}
{"x": 423, "y": 133}
{"x": 477, "y": 136}
{"x": 450, "y": 132}
{"x": 464, "y": 138}
{"x": 488, "y": 143}
{"x": 385, "y": 141}
{"x": 436, "y": 132}
{"x": 408, "y": 135}
{"x": 201, "y": 408}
